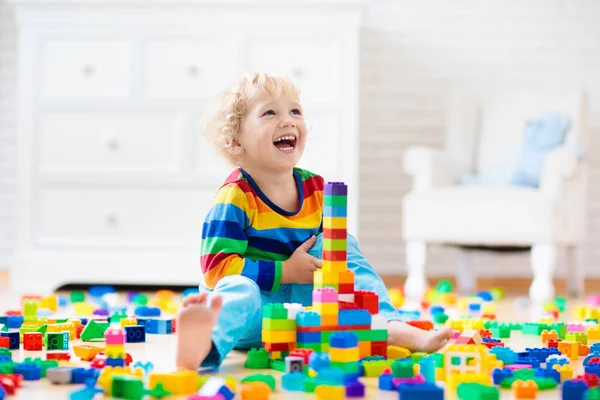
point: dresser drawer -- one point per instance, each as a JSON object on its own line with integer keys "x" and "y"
{"x": 122, "y": 217}
{"x": 199, "y": 68}
{"x": 86, "y": 68}
{"x": 111, "y": 140}
{"x": 313, "y": 64}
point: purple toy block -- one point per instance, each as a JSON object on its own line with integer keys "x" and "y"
{"x": 336, "y": 189}
{"x": 413, "y": 380}
{"x": 325, "y": 295}
{"x": 355, "y": 390}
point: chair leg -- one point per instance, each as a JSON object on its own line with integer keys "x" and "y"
{"x": 574, "y": 271}
{"x": 465, "y": 277}
{"x": 415, "y": 285}
{"x": 543, "y": 263}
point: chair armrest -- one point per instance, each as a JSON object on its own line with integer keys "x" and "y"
{"x": 429, "y": 167}
{"x": 560, "y": 165}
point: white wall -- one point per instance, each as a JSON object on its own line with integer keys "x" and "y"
{"x": 413, "y": 51}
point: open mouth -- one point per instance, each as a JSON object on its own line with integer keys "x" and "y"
{"x": 285, "y": 143}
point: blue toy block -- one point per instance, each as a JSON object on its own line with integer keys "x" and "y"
{"x": 308, "y": 337}
{"x": 534, "y": 362}
{"x": 330, "y": 376}
{"x": 159, "y": 326}
{"x": 553, "y": 361}
{"x": 547, "y": 373}
{"x": 475, "y": 307}
{"x": 146, "y": 366}
{"x": 490, "y": 340}
{"x": 505, "y": 354}
{"x": 135, "y": 334}
{"x": 308, "y": 319}
{"x": 542, "y": 353}
{"x": 485, "y": 295}
{"x": 190, "y": 291}
{"x": 4, "y": 358}
{"x": 355, "y": 389}
{"x": 80, "y": 375}
{"x": 115, "y": 362}
{"x": 15, "y": 340}
{"x": 592, "y": 369}
{"x": 588, "y": 358}
{"x": 573, "y": 390}
{"x": 318, "y": 361}
{"x": 85, "y": 394}
{"x": 343, "y": 340}
{"x": 427, "y": 368}
{"x": 335, "y": 211}
{"x": 4, "y": 320}
{"x": 2, "y": 393}
{"x": 293, "y": 381}
{"x": 354, "y": 317}
{"x": 420, "y": 391}
{"x": 15, "y": 321}
{"x": 385, "y": 382}
{"x": 145, "y": 311}
{"x": 30, "y": 371}
{"x": 436, "y": 310}
{"x": 499, "y": 375}
{"x": 595, "y": 349}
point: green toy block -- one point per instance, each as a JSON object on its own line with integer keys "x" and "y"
{"x": 378, "y": 335}
{"x": 477, "y": 391}
{"x": 127, "y": 387}
{"x": 335, "y": 286}
{"x": 335, "y": 200}
{"x": 313, "y": 346}
{"x": 524, "y": 374}
{"x": 403, "y": 368}
{"x": 560, "y": 328}
{"x": 444, "y": 286}
{"x": 594, "y": 320}
{"x": 7, "y": 367}
{"x": 532, "y": 328}
{"x": 93, "y": 330}
{"x": 140, "y": 300}
{"x": 3, "y": 328}
{"x": 118, "y": 316}
{"x": 158, "y": 392}
{"x": 501, "y": 332}
{"x": 335, "y": 244}
{"x": 270, "y": 324}
{"x": 77, "y": 296}
{"x": 57, "y": 341}
{"x": 490, "y": 324}
{"x": 268, "y": 379}
{"x": 6, "y": 353}
{"x": 257, "y": 359}
{"x": 545, "y": 383}
{"x": 42, "y": 329}
{"x": 310, "y": 383}
{"x": 347, "y": 367}
{"x": 374, "y": 368}
{"x": 561, "y": 303}
{"x": 277, "y": 365}
{"x": 576, "y": 337}
{"x": 275, "y": 311}
{"x": 592, "y": 394}
{"x": 440, "y": 318}
{"x": 418, "y": 356}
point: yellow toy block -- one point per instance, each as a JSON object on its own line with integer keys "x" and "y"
{"x": 114, "y": 351}
{"x": 591, "y": 313}
{"x": 326, "y": 308}
{"x": 86, "y": 352}
{"x": 594, "y": 333}
{"x": 397, "y": 352}
{"x": 344, "y": 355}
{"x": 165, "y": 295}
{"x": 456, "y": 379}
{"x": 49, "y": 302}
{"x": 128, "y": 322}
{"x": 570, "y": 349}
{"x": 334, "y": 266}
{"x": 70, "y": 327}
{"x": 546, "y": 320}
{"x": 84, "y": 309}
{"x": 335, "y": 223}
{"x": 329, "y": 320}
{"x": 326, "y": 392}
{"x": 364, "y": 349}
{"x": 323, "y": 278}
{"x": 178, "y": 383}
{"x": 565, "y": 371}
{"x": 579, "y": 313}
{"x": 275, "y": 355}
{"x": 278, "y": 336}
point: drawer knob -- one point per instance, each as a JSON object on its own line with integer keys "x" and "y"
{"x": 88, "y": 70}
{"x": 112, "y": 221}
{"x": 193, "y": 70}
{"x": 113, "y": 144}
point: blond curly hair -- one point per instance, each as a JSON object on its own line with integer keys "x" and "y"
{"x": 223, "y": 118}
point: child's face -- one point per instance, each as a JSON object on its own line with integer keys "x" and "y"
{"x": 273, "y": 134}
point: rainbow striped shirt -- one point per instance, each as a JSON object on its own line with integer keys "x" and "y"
{"x": 246, "y": 234}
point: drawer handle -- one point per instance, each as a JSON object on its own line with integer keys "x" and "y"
{"x": 112, "y": 221}
{"x": 113, "y": 144}
{"x": 88, "y": 70}
{"x": 193, "y": 70}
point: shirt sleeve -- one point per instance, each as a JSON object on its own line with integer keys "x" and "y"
{"x": 224, "y": 243}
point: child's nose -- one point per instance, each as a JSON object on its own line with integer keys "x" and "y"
{"x": 287, "y": 123}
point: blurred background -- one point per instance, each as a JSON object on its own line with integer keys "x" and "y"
{"x": 376, "y": 74}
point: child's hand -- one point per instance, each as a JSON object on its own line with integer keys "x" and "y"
{"x": 300, "y": 267}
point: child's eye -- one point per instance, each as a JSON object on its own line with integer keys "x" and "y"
{"x": 269, "y": 112}
{"x": 296, "y": 111}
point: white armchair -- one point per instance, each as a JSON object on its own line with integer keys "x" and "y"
{"x": 484, "y": 134}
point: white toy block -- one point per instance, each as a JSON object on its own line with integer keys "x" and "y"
{"x": 378, "y": 322}
{"x": 293, "y": 309}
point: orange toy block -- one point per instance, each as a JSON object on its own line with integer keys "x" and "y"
{"x": 86, "y": 352}
{"x": 425, "y": 325}
{"x": 346, "y": 277}
{"x": 548, "y": 335}
{"x": 255, "y": 391}
{"x": 364, "y": 349}
{"x": 583, "y": 350}
{"x": 525, "y": 389}
{"x": 329, "y": 320}
{"x": 570, "y": 349}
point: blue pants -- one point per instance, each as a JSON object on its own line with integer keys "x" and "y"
{"x": 239, "y": 324}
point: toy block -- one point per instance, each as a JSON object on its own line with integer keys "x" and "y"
{"x": 60, "y": 375}
{"x": 335, "y": 223}
{"x": 571, "y": 349}
{"x": 421, "y": 324}
{"x": 93, "y": 330}
{"x": 57, "y": 341}
{"x": 344, "y": 355}
{"x": 335, "y": 189}
{"x": 477, "y": 391}
{"x": 379, "y": 348}
{"x": 279, "y": 347}
{"x": 346, "y": 277}
{"x": 419, "y": 391}
{"x": 293, "y": 310}
{"x": 128, "y": 322}
{"x": 456, "y": 379}
{"x": 294, "y": 364}
{"x": 278, "y": 336}
{"x": 594, "y": 333}
{"x": 115, "y": 362}
{"x": 324, "y": 279}
{"x": 335, "y": 234}
{"x": 308, "y": 319}
{"x": 15, "y": 321}
{"x": 583, "y": 350}
{"x": 335, "y": 244}
{"x": 327, "y": 392}
{"x": 114, "y": 351}
{"x": 30, "y": 371}
{"x": 403, "y": 368}
{"x": 324, "y": 295}
{"x": 303, "y": 353}
{"x": 275, "y": 311}
{"x": 334, "y": 266}
{"x": 354, "y": 317}
{"x": 257, "y": 359}
{"x": 548, "y": 335}
{"x": 86, "y": 352}
{"x": 278, "y": 324}
{"x": 32, "y": 341}
{"x": 265, "y": 379}
{"x": 114, "y": 336}
{"x": 396, "y": 352}
{"x": 580, "y": 337}
{"x": 553, "y": 343}
{"x": 147, "y": 311}
{"x": 159, "y": 326}
{"x": 135, "y": 334}
{"x": 367, "y": 300}
{"x": 308, "y": 337}
{"x": 343, "y": 340}
{"x": 524, "y": 389}
{"x": 348, "y": 305}
{"x": 345, "y": 288}
{"x": 329, "y": 320}
{"x": 331, "y": 255}
{"x": 364, "y": 349}
{"x": 469, "y": 337}
{"x": 14, "y": 340}
{"x": 4, "y": 343}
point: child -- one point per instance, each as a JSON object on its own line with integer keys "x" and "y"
{"x": 259, "y": 241}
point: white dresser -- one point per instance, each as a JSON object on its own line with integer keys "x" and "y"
{"x": 114, "y": 176}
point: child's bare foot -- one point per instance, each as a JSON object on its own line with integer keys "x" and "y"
{"x": 194, "y": 327}
{"x": 415, "y": 339}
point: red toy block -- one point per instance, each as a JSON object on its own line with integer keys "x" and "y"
{"x": 58, "y": 355}
{"x": 367, "y": 300}
{"x": 345, "y": 305}
{"x": 78, "y": 329}
{"x": 174, "y": 325}
{"x": 32, "y": 341}
{"x": 592, "y": 380}
{"x": 379, "y": 349}
{"x": 346, "y": 288}
{"x": 491, "y": 317}
{"x": 334, "y": 255}
{"x": 8, "y": 385}
{"x": 304, "y": 353}
{"x": 494, "y": 344}
{"x": 4, "y": 342}
{"x": 553, "y": 343}
{"x": 13, "y": 313}
{"x": 421, "y": 324}
{"x": 279, "y": 346}
{"x": 485, "y": 333}
{"x": 330, "y": 233}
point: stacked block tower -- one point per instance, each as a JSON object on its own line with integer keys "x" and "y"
{"x": 337, "y": 307}
{"x": 115, "y": 347}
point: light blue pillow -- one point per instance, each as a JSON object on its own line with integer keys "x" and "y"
{"x": 540, "y": 137}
